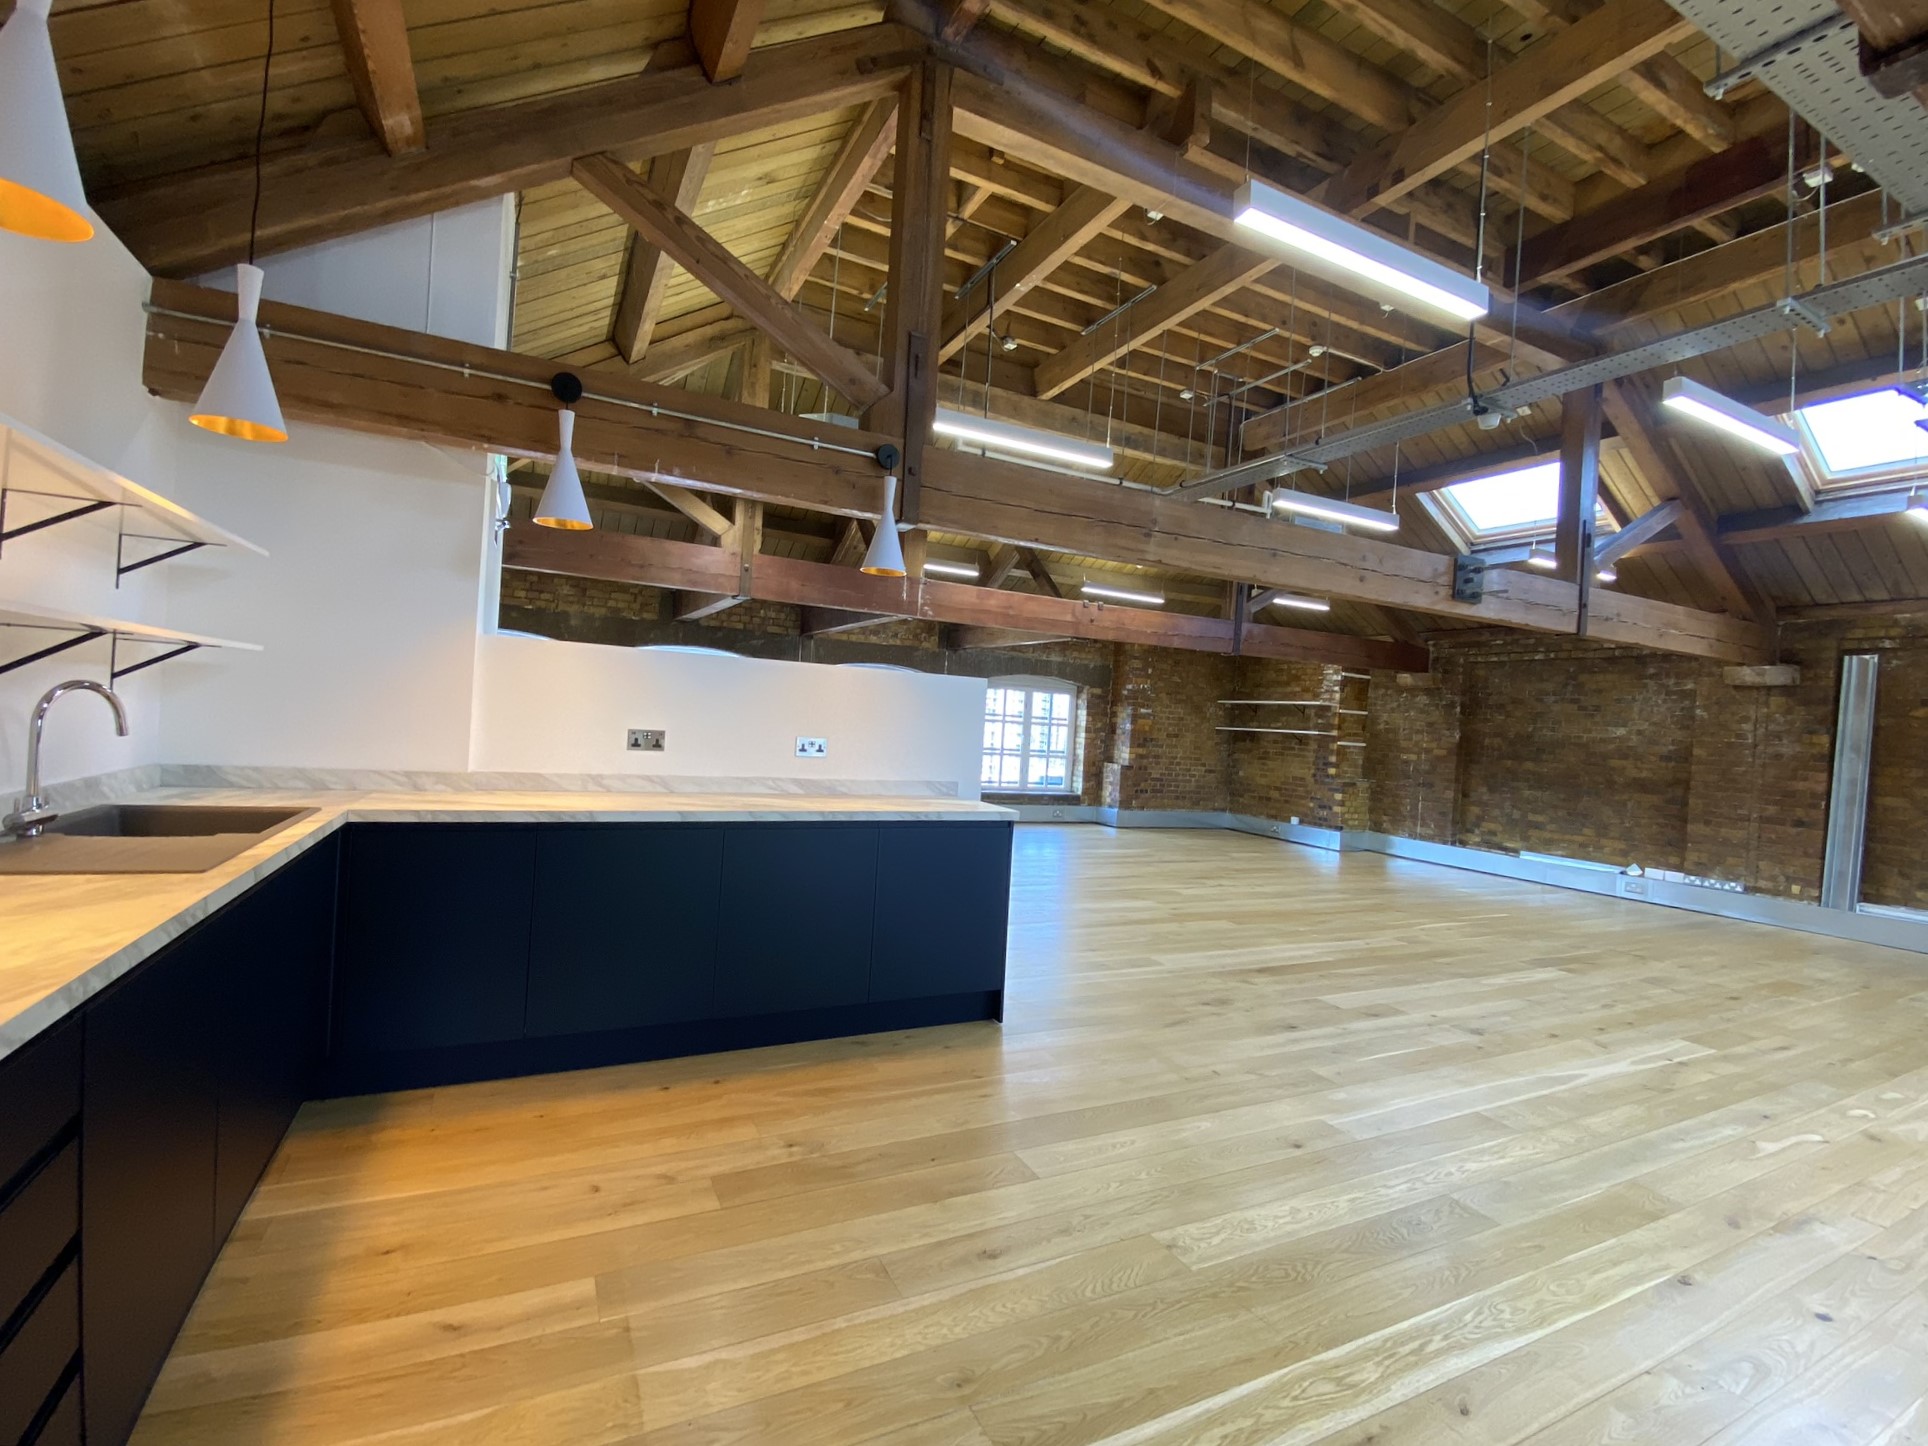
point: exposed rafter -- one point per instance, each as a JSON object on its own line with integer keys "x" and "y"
{"x": 722, "y": 32}
{"x": 374, "y": 44}
{"x": 678, "y": 179}
{"x": 856, "y": 163}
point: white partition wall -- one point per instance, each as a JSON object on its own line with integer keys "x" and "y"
{"x": 552, "y": 707}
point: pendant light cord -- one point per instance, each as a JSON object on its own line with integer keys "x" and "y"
{"x": 261, "y": 135}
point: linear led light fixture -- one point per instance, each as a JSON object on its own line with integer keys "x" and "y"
{"x": 952, "y": 569}
{"x": 1737, "y": 419}
{"x": 1033, "y": 441}
{"x": 1303, "y": 604}
{"x": 1918, "y": 507}
{"x": 1538, "y": 556}
{"x": 1359, "y": 252}
{"x": 1333, "y": 509}
{"x": 1119, "y": 594}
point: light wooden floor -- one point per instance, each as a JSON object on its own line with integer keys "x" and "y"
{"x": 1274, "y": 1148}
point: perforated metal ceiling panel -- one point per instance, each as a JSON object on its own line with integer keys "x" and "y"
{"x": 1820, "y": 79}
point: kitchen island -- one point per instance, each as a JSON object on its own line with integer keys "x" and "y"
{"x": 388, "y": 940}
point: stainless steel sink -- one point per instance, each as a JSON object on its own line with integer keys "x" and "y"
{"x": 145, "y": 838}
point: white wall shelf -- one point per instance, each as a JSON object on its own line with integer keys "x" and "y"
{"x": 1276, "y": 702}
{"x": 33, "y": 465}
{"x": 79, "y": 628}
{"x": 1297, "y": 732}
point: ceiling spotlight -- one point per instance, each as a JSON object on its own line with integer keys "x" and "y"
{"x": 1317, "y": 349}
{"x": 1007, "y": 342}
{"x": 1185, "y": 394}
{"x": 1152, "y": 213}
{"x": 1608, "y": 574}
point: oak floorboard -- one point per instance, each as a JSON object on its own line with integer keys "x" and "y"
{"x": 1273, "y": 1147}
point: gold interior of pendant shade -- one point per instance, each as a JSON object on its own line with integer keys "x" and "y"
{"x": 237, "y": 427}
{"x": 29, "y": 213}
{"x": 564, "y": 524}
{"x": 884, "y": 571}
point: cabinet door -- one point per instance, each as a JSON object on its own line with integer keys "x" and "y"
{"x": 943, "y": 901}
{"x": 796, "y": 916}
{"x": 433, "y": 942}
{"x": 624, "y": 928}
{"x": 276, "y": 945}
{"x": 147, "y": 1173}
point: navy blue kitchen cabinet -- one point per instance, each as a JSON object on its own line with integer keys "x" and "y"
{"x": 943, "y": 905}
{"x": 433, "y": 948}
{"x": 796, "y": 934}
{"x": 625, "y": 926}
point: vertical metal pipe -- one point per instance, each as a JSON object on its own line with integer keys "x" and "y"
{"x": 1848, "y": 791}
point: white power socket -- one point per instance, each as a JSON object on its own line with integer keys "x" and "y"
{"x": 813, "y": 748}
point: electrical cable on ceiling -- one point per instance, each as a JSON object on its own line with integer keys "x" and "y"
{"x": 261, "y": 135}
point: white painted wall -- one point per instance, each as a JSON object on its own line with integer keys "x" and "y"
{"x": 70, "y": 368}
{"x": 553, "y": 707}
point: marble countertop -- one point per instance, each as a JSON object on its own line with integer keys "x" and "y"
{"x": 65, "y": 937}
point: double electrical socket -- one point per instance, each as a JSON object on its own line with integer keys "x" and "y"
{"x": 647, "y": 740}
{"x": 813, "y": 748}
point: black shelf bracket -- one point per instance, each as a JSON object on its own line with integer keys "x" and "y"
{"x": 122, "y": 566}
{"x": 86, "y": 509}
{"x": 85, "y": 635}
{"x": 115, "y": 672}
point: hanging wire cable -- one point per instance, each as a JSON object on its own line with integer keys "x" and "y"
{"x": 261, "y": 135}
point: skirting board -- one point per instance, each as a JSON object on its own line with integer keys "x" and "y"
{"x": 1873, "y": 925}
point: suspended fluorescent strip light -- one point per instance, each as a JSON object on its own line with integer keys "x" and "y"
{"x": 1303, "y": 604}
{"x": 951, "y": 569}
{"x": 1704, "y": 404}
{"x": 1119, "y": 594}
{"x": 1609, "y": 573}
{"x": 1918, "y": 507}
{"x": 1333, "y": 509}
{"x": 1033, "y": 441}
{"x": 1359, "y": 251}
{"x": 1537, "y": 556}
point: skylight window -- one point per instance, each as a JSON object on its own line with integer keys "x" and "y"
{"x": 1514, "y": 505}
{"x": 1868, "y": 437}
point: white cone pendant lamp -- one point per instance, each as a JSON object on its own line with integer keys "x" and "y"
{"x": 563, "y": 506}
{"x": 885, "y": 556}
{"x": 239, "y": 399}
{"x": 40, "y": 192}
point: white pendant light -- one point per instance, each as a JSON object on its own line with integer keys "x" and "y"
{"x": 40, "y": 191}
{"x": 1332, "y": 509}
{"x": 885, "y": 555}
{"x": 1032, "y": 441}
{"x": 1736, "y": 419}
{"x": 1336, "y": 246}
{"x": 239, "y": 399}
{"x": 563, "y": 506}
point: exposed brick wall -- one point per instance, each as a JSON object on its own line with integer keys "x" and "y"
{"x": 1412, "y": 756}
{"x": 1166, "y": 751}
{"x": 1895, "y": 866}
{"x": 580, "y": 596}
{"x": 1291, "y": 775}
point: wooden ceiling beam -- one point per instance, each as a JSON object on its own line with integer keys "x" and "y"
{"x": 856, "y": 163}
{"x": 345, "y": 372}
{"x": 1083, "y": 216}
{"x": 654, "y": 561}
{"x": 374, "y": 45}
{"x": 705, "y": 258}
{"x": 1545, "y": 76}
{"x": 1643, "y": 529}
{"x": 722, "y": 31}
{"x": 678, "y": 179}
{"x": 1632, "y": 408}
{"x": 197, "y": 222}
{"x": 1191, "y": 291}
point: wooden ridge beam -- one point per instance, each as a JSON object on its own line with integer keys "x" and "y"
{"x": 374, "y": 45}
{"x": 1545, "y": 76}
{"x": 190, "y": 223}
{"x": 345, "y": 372}
{"x": 678, "y": 178}
{"x": 652, "y": 561}
{"x": 709, "y": 261}
{"x": 871, "y": 136}
{"x": 722, "y": 32}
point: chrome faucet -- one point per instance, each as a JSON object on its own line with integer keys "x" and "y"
{"x": 33, "y": 815}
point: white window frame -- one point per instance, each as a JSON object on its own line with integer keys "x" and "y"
{"x": 1446, "y": 511}
{"x": 1812, "y": 475}
{"x": 1031, "y": 687}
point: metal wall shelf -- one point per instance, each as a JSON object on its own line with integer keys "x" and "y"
{"x": 1278, "y": 702}
{"x": 1296, "y": 732}
{"x": 82, "y": 628}
{"x": 33, "y": 465}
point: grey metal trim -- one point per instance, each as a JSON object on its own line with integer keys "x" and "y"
{"x": 1848, "y": 789}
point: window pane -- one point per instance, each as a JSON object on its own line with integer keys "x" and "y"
{"x": 1873, "y": 430}
{"x": 988, "y": 773}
